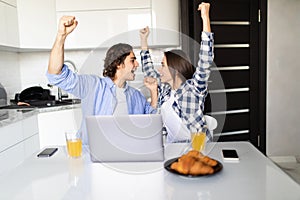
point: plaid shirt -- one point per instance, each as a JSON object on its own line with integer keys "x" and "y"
{"x": 190, "y": 97}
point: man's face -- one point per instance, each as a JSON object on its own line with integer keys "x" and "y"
{"x": 129, "y": 67}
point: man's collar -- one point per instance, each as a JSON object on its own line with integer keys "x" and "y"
{"x": 111, "y": 84}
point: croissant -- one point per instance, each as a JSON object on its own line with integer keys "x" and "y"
{"x": 194, "y": 163}
{"x": 202, "y": 158}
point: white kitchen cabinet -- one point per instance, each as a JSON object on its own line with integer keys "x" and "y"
{"x": 165, "y": 22}
{"x": 79, "y": 5}
{"x": 52, "y": 126}
{"x": 37, "y": 23}
{"x": 103, "y": 28}
{"x": 19, "y": 140}
{"x": 10, "y": 2}
{"x": 9, "y": 33}
{"x": 103, "y": 23}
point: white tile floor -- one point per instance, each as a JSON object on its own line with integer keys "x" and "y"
{"x": 291, "y": 168}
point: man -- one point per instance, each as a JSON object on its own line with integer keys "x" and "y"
{"x": 99, "y": 96}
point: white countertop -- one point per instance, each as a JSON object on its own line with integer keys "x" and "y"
{"x": 9, "y": 116}
{"x": 60, "y": 177}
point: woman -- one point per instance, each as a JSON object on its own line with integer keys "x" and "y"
{"x": 181, "y": 89}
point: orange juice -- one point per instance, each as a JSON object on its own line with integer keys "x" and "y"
{"x": 74, "y": 147}
{"x": 198, "y": 141}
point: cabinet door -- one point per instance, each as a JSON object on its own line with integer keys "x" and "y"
{"x": 10, "y": 135}
{"x": 78, "y": 5}
{"x": 30, "y": 126}
{"x": 165, "y": 22}
{"x": 18, "y": 141}
{"x": 11, "y": 2}
{"x": 37, "y": 23}
{"x": 9, "y": 33}
{"x": 11, "y": 157}
{"x": 103, "y": 28}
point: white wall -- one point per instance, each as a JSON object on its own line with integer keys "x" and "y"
{"x": 10, "y": 72}
{"x": 33, "y": 67}
{"x": 283, "y": 71}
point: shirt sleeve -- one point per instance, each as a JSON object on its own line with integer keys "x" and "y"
{"x": 147, "y": 64}
{"x": 70, "y": 82}
{"x": 206, "y": 56}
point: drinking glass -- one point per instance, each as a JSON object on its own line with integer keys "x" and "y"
{"x": 74, "y": 143}
{"x": 198, "y": 140}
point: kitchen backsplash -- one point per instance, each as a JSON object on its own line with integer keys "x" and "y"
{"x": 21, "y": 70}
{"x": 10, "y": 72}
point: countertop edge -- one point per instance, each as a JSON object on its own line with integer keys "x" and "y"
{"x": 10, "y": 116}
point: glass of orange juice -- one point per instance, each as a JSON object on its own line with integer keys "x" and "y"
{"x": 198, "y": 140}
{"x": 74, "y": 143}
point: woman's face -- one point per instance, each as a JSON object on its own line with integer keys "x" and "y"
{"x": 164, "y": 71}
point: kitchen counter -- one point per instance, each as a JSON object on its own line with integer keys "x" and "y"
{"x": 9, "y": 116}
{"x": 58, "y": 108}
{"x": 60, "y": 177}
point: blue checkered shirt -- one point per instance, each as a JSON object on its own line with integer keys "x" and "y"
{"x": 190, "y": 97}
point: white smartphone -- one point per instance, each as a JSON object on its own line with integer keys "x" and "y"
{"x": 230, "y": 155}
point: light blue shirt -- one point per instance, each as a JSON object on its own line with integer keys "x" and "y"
{"x": 98, "y": 95}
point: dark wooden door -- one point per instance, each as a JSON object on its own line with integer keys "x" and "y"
{"x": 239, "y": 28}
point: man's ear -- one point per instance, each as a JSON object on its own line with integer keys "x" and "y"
{"x": 120, "y": 66}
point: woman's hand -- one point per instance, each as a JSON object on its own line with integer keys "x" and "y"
{"x": 144, "y": 33}
{"x": 204, "y": 8}
{"x": 151, "y": 83}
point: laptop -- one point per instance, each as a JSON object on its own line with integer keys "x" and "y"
{"x": 125, "y": 138}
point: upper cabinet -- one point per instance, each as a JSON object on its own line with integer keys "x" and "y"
{"x": 10, "y": 2}
{"x": 32, "y": 24}
{"x": 165, "y": 22}
{"x": 37, "y": 23}
{"x": 103, "y": 23}
{"x": 90, "y": 5}
{"x": 9, "y": 33}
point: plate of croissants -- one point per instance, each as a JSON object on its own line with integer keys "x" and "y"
{"x": 193, "y": 164}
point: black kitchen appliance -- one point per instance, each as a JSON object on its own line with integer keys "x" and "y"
{"x": 35, "y": 96}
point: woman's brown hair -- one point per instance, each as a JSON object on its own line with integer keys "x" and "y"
{"x": 180, "y": 62}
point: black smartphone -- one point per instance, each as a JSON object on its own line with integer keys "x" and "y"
{"x": 47, "y": 152}
{"x": 230, "y": 155}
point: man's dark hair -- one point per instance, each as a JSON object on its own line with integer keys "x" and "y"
{"x": 115, "y": 56}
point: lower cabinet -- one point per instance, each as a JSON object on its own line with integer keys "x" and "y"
{"x": 52, "y": 126}
{"x": 18, "y": 141}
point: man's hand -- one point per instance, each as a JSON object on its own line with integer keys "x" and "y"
{"x": 151, "y": 84}
{"x": 66, "y": 25}
{"x": 144, "y": 33}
